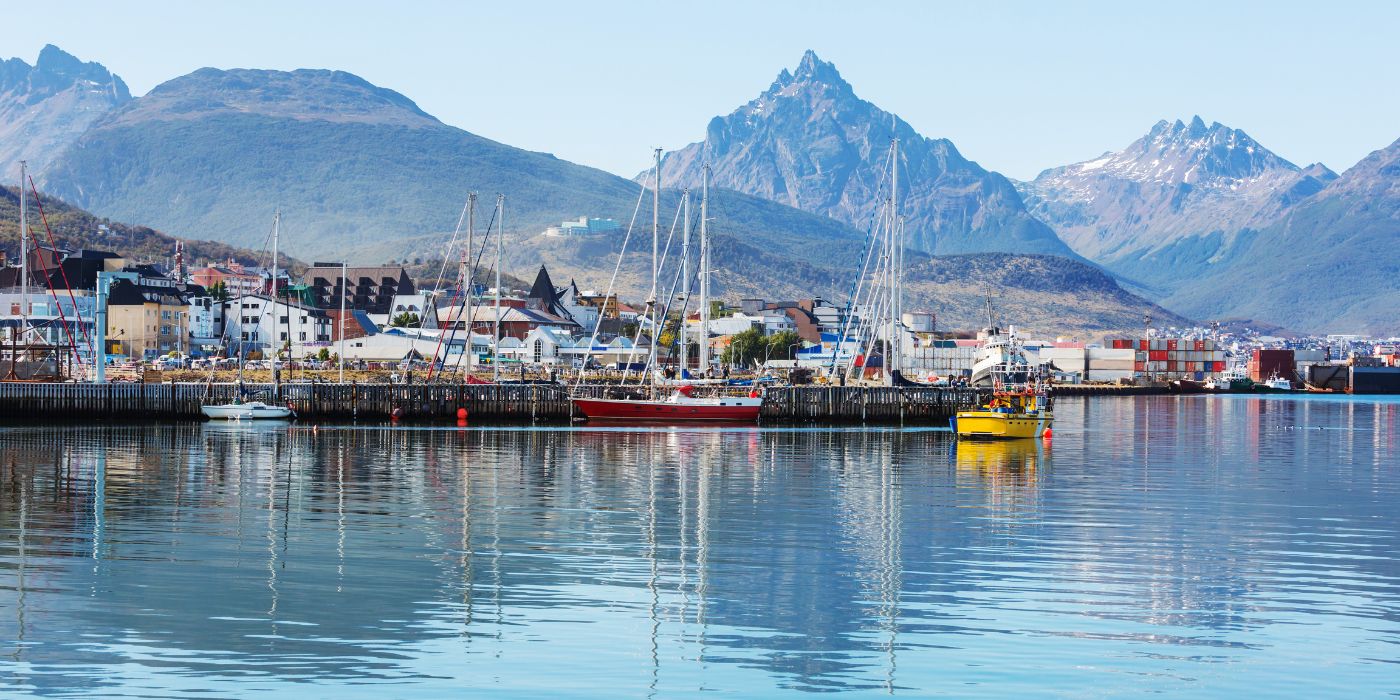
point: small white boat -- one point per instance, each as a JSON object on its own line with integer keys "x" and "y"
{"x": 1277, "y": 383}
{"x": 249, "y": 410}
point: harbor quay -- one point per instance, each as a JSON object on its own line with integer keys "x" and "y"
{"x": 507, "y": 403}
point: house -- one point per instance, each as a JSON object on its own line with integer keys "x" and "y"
{"x": 565, "y": 302}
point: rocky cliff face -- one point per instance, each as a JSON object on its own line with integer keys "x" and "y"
{"x": 811, "y": 143}
{"x": 45, "y": 107}
{"x": 1173, "y": 202}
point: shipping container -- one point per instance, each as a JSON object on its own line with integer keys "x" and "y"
{"x": 1266, "y": 364}
{"x": 1171, "y": 344}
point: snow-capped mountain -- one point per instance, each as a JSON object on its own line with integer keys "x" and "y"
{"x": 1173, "y": 202}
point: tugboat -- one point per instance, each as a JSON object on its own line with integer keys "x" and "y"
{"x": 1019, "y": 407}
{"x": 1008, "y": 415}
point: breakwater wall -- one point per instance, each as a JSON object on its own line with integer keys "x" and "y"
{"x": 440, "y": 402}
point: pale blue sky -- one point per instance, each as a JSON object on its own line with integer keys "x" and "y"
{"x": 1018, "y": 86}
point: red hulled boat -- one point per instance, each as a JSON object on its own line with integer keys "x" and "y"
{"x": 680, "y": 407}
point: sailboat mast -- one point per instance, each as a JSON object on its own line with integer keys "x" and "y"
{"x": 496, "y": 332}
{"x": 685, "y": 275}
{"x": 23, "y": 251}
{"x": 466, "y": 273}
{"x": 655, "y": 261}
{"x": 344, "y": 287}
{"x": 704, "y": 270}
{"x": 276, "y": 234}
{"x": 896, "y": 263}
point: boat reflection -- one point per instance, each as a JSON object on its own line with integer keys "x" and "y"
{"x": 1010, "y": 463}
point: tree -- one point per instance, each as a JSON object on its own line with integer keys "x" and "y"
{"x": 324, "y": 355}
{"x": 405, "y": 320}
{"x": 219, "y": 291}
{"x": 745, "y": 347}
{"x": 783, "y": 345}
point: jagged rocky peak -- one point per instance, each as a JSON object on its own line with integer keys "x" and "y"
{"x": 811, "y": 73}
{"x": 1185, "y": 152}
{"x": 57, "y": 70}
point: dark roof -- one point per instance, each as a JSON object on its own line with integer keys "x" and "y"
{"x": 127, "y": 293}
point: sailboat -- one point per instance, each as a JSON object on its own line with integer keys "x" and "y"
{"x": 239, "y": 408}
{"x": 681, "y": 405}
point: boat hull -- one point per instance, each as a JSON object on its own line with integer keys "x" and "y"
{"x": 246, "y": 412}
{"x": 724, "y": 410}
{"x": 992, "y": 425}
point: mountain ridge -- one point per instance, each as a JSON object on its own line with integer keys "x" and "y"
{"x": 44, "y": 107}
{"x": 810, "y": 142}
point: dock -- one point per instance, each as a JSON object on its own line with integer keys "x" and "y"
{"x": 507, "y": 403}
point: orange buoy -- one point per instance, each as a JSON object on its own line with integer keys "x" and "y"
{"x": 461, "y": 414}
{"x": 1048, "y": 434}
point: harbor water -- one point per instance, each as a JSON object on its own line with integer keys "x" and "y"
{"x": 1195, "y": 546}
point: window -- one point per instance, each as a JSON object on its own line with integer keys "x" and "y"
{"x": 303, "y": 336}
{"x": 539, "y": 350}
{"x": 282, "y": 320}
{"x": 284, "y": 336}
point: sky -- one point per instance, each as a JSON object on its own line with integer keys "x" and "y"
{"x": 1017, "y": 86}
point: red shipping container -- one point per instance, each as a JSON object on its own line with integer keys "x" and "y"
{"x": 1200, "y": 346}
{"x": 1220, "y": 366}
{"x": 1157, "y": 355}
{"x": 1139, "y": 366}
{"x": 1171, "y": 344}
{"x": 1171, "y": 365}
{"x": 1142, "y": 344}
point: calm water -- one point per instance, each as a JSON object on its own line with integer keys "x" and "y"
{"x": 1207, "y": 547}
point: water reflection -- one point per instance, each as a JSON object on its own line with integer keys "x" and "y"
{"x": 1173, "y": 540}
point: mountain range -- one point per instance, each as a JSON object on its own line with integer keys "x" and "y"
{"x": 808, "y": 141}
{"x": 1215, "y": 225}
{"x": 361, "y": 172}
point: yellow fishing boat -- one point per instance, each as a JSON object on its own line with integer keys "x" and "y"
{"x": 1008, "y": 415}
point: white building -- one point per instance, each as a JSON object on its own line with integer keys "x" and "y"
{"x": 206, "y": 321}
{"x": 583, "y": 226}
{"x": 769, "y": 322}
{"x": 257, "y": 322}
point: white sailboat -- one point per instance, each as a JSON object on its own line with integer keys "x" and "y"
{"x": 240, "y": 409}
